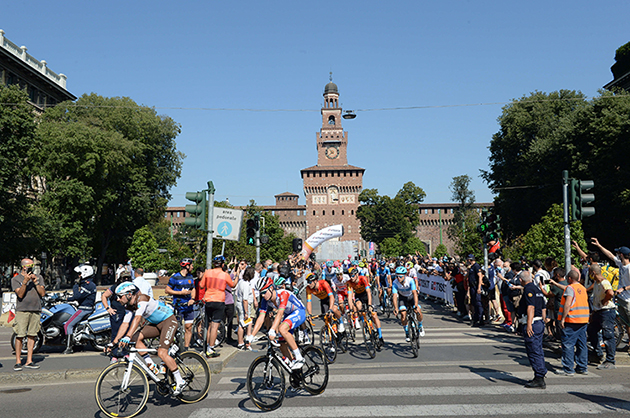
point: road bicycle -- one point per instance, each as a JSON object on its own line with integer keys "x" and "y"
{"x": 266, "y": 375}
{"x": 386, "y": 303}
{"x": 620, "y": 326}
{"x": 370, "y": 335}
{"x": 414, "y": 331}
{"x": 122, "y": 389}
{"x": 330, "y": 339}
{"x": 351, "y": 318}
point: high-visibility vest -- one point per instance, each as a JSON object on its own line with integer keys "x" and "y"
{"x": 579, "y": 312}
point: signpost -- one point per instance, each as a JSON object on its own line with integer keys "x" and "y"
{"x": 228, "y": 223}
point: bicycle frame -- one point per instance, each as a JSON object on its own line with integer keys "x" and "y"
{"x": 133, "y": 359}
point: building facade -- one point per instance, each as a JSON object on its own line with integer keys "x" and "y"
{"x": 45, "y": 88}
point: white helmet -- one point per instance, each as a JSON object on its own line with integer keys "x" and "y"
{"x": 84, "y": 270}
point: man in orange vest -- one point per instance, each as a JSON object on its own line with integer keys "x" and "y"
{"x": 573, "y": 316}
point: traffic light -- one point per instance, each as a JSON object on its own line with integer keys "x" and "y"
{"x": 494, "y": 227}
{"x": 482, "y": 226}
{"x": 297, "y": 245}
{"x": 251, "y": 232}
{"x": 577, "y": 199}
{"x": 197, "y": 217}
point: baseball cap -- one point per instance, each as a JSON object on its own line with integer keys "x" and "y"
{"x": 623, "y": 250}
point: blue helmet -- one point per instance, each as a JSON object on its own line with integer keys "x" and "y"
{"x": 401, "y": 271}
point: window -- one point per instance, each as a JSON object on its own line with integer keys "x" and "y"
{"x": 333, "y": 212}
{"x": 313, "y": 213}
{"x": 323, "y": 212}
{"x": 342, "y": 212}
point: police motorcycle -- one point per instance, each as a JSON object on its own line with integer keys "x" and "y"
{"x": 56, "y": 311}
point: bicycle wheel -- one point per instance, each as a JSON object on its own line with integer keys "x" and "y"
{"x": 115, "y": 402}
{"x": 370, "y": 346}
{"x": 327, "y": 342}
{"x": 221, "y": 333}
{"x": 342, "y": 340}
{"x": 315, "y": 370}
{"x": 389, "y": 304}
{"x": 197, "y": 339}
{"x": 265, "y": 383}
{"x": 196, "y": 372}
{"x": 413, "y": 335}
{"x": 309, "y": 335}
{"x": 619, "y": 330}
{"x": 350, "y": 330}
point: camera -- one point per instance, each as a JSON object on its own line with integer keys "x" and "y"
{"x": 29, "y": 270}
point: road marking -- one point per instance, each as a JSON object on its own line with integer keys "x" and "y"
{"x": 531, "y": 409}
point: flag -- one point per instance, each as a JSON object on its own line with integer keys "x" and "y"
{"x": 11, "y": 315}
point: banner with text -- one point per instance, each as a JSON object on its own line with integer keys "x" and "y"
{"x": 436, "y": 286}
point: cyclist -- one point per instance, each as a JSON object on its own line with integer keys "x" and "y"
{"x": 160, "y": 321}
{"x": 324, "y": 292}
{"x": 291, "y": 314}
{"x": 384, "y": 282}
{"x": 181, "y": 286}
{"x": 359, "y": 295}
{"x": 405, "y": 294}
{"x": 340, "y": 284}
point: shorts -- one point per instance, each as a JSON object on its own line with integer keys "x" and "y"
{"x": 295, "y": 319}
{"x": 405, "y": 302}
{"x": 26, "y": 323}
{"x": 324, "y": 304}
{"x": 240, "y": 311}
{"x": 383, "y": 281}
{"x": 341, "y": 296}
{"x": 165, "y": 329}
{"x": 187, "y": 312}
{"x": 215, "y": 311}
{"x": 362, "y": 297}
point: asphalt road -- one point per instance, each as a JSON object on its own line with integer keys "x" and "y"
{"x": 461, "y": 371}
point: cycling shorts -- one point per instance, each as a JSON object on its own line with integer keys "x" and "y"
{"x": 187, "y": 312}
{"x": 341, "y": 296}
{"x": 384, "y": 282}
{"x": 165, "y": 330}
{"x": 362, "y": 297}
{"x": 295, "y": 319}
{"x": 215, "y": 311}
{"x": 405, "y": 302}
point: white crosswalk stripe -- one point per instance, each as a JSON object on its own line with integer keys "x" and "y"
{"x": 420, "y": 388}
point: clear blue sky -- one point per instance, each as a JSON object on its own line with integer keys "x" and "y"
{"x": 186, "y": 57}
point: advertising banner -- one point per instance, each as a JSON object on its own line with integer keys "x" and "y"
{"x": 320, "y": 236}
{"x": 436, "y": 286}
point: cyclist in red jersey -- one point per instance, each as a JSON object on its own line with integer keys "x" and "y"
{"x": 359, "y": 294}
{"x": 324, "y": 293}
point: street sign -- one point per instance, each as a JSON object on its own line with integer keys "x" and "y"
{"x": 227, "y": 223}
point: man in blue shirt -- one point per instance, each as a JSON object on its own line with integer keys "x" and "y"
{"x": 530, "y": 313}
{"x": 182, "y": 287}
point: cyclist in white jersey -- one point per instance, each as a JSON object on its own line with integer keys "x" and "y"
{"x": 405, "y": 296}
{"x": 160, "y": 321}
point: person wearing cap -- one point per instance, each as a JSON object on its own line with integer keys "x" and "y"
{"x": 29, "y": 289}
{"x": 530, "y": 312}
{"x": 621, "y": 257}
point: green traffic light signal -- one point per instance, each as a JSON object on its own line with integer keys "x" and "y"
{"x": 250, "y": 229}
{"x": 577, "y": 199}
{"x": 197, "y": 218}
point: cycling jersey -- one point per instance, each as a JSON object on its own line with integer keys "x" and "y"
{"x": 284, "y": 300}
{"x": 152, "y": 310}
{"x": 178, "y": 283}
{"x": 341, "y": 285}
{"x": 405, "y": 288}
{"x": 322, "y": 290}
{"x": 359, "y": 287}
{"x": 383, "y": 272}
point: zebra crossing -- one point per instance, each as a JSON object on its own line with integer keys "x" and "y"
{"x": 396, "y": 385}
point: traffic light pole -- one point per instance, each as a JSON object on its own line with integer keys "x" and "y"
{"x": 257, "y": 245}
{"x": 567, "y": 229}
{"x": 210, "y": 224}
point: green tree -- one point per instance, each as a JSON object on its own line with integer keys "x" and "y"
{"x": 383, "y": 217}
{"x": 144, "y": 250}
{"x": 17, "y": 133}
{"x": 414, "y": 246}
{"x": 109, "y": 165}
{"x": 391, "y": 247}
{"x": 463, "y": 230}
{"x": 546, "y": 238}
{"x": 440, "y": 251}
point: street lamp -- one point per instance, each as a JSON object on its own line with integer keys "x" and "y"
{"x": 349, "y": 114}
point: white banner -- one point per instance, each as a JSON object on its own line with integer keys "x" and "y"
{"x": 320, "y": 236}
{"x": 436, "y": 286}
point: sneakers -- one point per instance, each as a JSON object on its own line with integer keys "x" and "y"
{"x": 31, "y": 366}
{"x": 565, "y": 373}
{"x": 241, "y": 346}
{"x": 113, "y": 360}
{"x": 356, "y": 324}
{"x": 421, "y": 331}
{"x": 407, "y": 338}
{"x": 17, "y": 367}
{"x": 607, "y": 365}
{"x": 178, "y": 388}
{"x": 582, "y": 372}
{"x": 296, "y": 364}
{"x": 466, "y": 318}
{"x": 211, "y": 353}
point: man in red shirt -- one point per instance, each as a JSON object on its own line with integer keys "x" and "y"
{"x": 213, "y": 283}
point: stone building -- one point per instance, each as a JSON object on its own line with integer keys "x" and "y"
{"x": 45, "y": 88}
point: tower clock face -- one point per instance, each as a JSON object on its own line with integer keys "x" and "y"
{"x": 332, "y": 152}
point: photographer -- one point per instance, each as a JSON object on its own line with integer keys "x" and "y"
{"x": 29, "y": 289}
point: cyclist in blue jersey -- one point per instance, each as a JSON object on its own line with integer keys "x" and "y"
{"x": 182, "y": 287}
{"x": 405, "y": 295}
{"x": 160, "y": 321}
{"x": 384, "y": 281}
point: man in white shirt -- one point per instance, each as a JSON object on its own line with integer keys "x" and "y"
{"x": 141, "y": 283}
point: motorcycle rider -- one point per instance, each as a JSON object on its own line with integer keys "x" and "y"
{"x": 84, "y": 293}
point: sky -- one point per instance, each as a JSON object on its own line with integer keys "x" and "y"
{"x": 245, "y": 79}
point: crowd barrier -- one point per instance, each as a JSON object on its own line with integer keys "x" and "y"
{"x": 436, "y": 286}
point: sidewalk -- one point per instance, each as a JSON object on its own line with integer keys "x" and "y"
{"x": 78, "y": 366}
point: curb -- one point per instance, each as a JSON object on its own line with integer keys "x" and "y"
{"x": 23, "y": 377}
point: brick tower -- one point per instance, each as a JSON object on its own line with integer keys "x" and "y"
{"x": 332, "y": 187}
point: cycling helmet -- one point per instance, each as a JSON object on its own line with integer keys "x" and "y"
{"x": 311, "y": 277}
{"x": 278, "y": 281}
{"x": 186, "y": 263}
{"x": 329, "y": 263}
{"x": 355, "y": 263}
{"x": 382, "y": 263}
{"x": 401, "y": 271}
{"x": 361, "y": 264}
{"x": 84, "y": 270}
{"x": 218, "y": 260}
{"x": 352, "y": 271}
{"x": 264, "y": 284}
{"x": 126, "y": 288}
{"x": 345, "y": 269}
{"x": 409, "y": 264}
